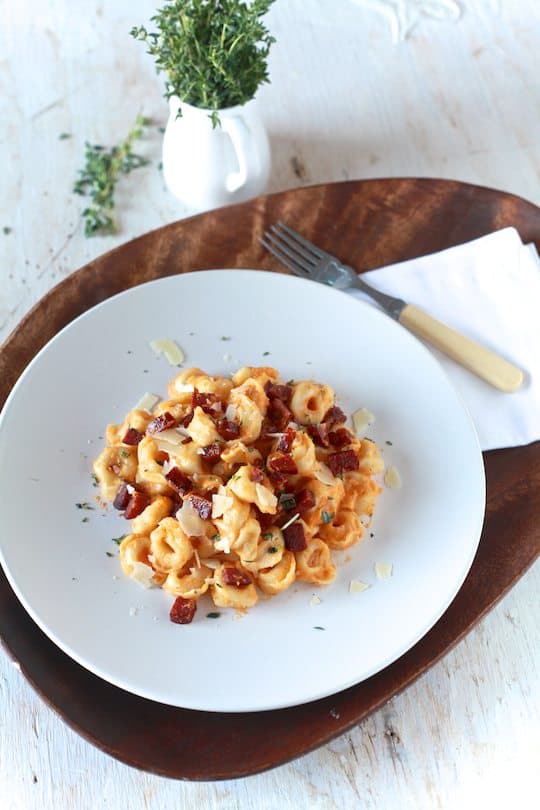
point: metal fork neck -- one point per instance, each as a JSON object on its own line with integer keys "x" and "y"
{"x": 392, "y": 306}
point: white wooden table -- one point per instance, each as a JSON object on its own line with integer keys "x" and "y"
{"x": 458, "y": 100}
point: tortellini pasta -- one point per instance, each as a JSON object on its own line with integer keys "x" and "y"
{"x": 237, "y": 487}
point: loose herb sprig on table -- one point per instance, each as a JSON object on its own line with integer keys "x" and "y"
{"x": 213, "y": 52}
{"x": 100, "y": 175}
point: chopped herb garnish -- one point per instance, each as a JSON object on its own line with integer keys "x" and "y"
{"x": 94, "y": 478}
{"x": 318, "y": 627}
{"x": 290, "y": 382}
{"x": 99, "y": 176}
{"x": 388, "y": 442}
{"x": 213, "y": 615}
{"x": 287, "y": 501}
{"x": 84, "y": 505}
{"x": 6, "y": 229}
{"x": 118, "y": 540}
{"x": 371, "y": 534}
{"x": 124, "y": 453}
{"x": 85, "y": 519}
{"x": 265, "y": 354}
{"x": 327, "y": 517}
{"x": 64, "y": 136}
{"x": 161, "y": 129}
{"x": 110, "y": 554}
{"x": 273, "y": 550}
{"x": 268, "y": 536}
{"x": 218, "y": 585}
{"x": 224, "y": 337}
{"x": 216, "y": 537}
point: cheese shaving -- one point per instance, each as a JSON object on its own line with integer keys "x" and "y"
{"x": 230, "y": 412}
{"x": 392, "y": 478}
{"x": 223, "y": 545}
{"x": 190, "y": 521}
{"x": 362, "y": 419}
{"x": 267, "y": 500}
{"x": 197, "y": 558}
{"x": 357, "y": 586}
{"x": 314, "y": 600}
{"x": 147, "y": 402}
{"x": 171, "y": 350}
{"x": 220, "y": 504}
{"x": 290, "y": 522}
{"x": 383, "y": 570}
{"x": 213, "y": 564}
{"x": 324, "y": 474}
{"x": 142, "y": 574}
{"x": 130, "y": 489}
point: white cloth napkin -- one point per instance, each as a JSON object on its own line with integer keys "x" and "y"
{"x": 489, "y": 290}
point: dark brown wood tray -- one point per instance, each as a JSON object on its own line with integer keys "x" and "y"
{"x": 369, "y": 223}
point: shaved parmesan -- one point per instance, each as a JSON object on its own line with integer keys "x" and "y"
{"x": 291, "y": 521}
{"x": 324, "y": 474}
{"x": 392, "y": 478}
{"x": 357, "y": 586}
{"x": 362, "y": 419}
{"x": 147, "y": 402}
{"x": 315, "y": 600}
{"x": 266, "y": 498}
{"x": 130, "y": 489}
{"x": 230, "y": 413}
{"x": 172, "y": 435}
{"x": 223, "y": 545}
{"x": 190, "y": 521}
{"x": 171, "y": 350}
{"x": 184, "y": 388}
{"x": 220, "y": 504}
{"x": 197, "y": 558}
{"x": 383, "y": 570}
{"x": 142, "y": 574}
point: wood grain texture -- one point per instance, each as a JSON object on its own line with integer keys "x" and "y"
{"x": 374, "y": 223}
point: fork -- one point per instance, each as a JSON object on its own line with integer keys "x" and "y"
{"x": 310, "y": 262}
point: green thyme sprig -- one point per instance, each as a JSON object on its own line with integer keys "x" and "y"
{"x": 102, "y": 170}
{"x": 212, "y": 52}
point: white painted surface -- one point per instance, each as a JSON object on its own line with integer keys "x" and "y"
{"x": 457, "y": 100}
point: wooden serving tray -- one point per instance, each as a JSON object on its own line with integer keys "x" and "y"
{"x": 368, "y": 223}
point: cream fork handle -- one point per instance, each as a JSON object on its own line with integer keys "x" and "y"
{"x": 481, "y": 361}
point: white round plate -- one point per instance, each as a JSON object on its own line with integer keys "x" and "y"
{"x": 286, "y": 650}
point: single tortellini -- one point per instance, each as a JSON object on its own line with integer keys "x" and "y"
{"x": 247, "y": 416}
{"x": 233, "y": 595}
{"x": 252, "y": 491}
{"x": 280, "y": 577}
{"x": 178, "y": 410}
{"x": 170, "y": 547}
{"x": 112, "y": 467}
{"x": 247, "y": 541}
{"x": 371, "y": 462}
{"x": 136, "y": 419}
{"x": 268, "y": 551}
{"x": 343, "y": 531}
{"x": 361, "y": 493}
{"x": 151, "y": 516}
{"x": 182, "y": 386}
{"x": 262, "y": 374}
{"x": 314, "y": 563}
{"x": 231, "y": 522}
{"x": 303, "y": 453}
{"x": 310, "y": 401}
{"x": 151, "y": 463}
{"x": 254, "y": 390}
{"x": 202, "y": 429}
{"x": 327, "y": 501}
{"x": 134, "y": 549}
{"x": 190, "y": 584}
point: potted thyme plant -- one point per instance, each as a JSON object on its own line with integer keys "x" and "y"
{"x": 214, "y": 57}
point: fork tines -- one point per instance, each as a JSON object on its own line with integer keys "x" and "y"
{"x": 295, "y": 252}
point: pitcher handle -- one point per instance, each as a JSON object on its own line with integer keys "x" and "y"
{"x": 240, "y": 135}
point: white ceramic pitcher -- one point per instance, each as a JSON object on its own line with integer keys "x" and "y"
{"x": 206, "y": 167}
